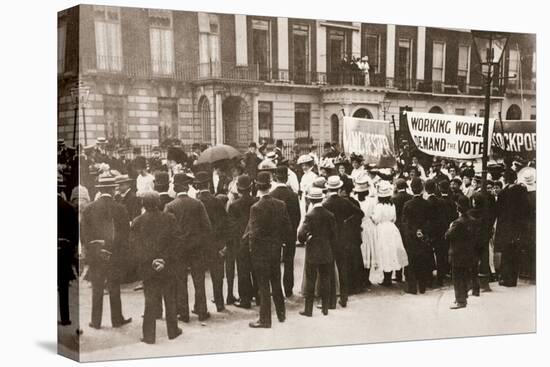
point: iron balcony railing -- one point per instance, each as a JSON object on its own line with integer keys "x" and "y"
{"x": 148, "y": 69}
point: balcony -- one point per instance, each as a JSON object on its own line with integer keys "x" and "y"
{"x": 515, "y": 86}
{"x": 118, "y": 67}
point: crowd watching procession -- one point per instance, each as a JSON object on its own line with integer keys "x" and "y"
{"x": 157, "y": 222}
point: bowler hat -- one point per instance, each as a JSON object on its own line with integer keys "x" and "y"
{"x": 182, "y": 179}
{"x": 334, "y": 182}
{"x": 463, "y": 203}
{"x": 416, "y": 185}
{"x": 315, "y": 193}
{"x": 252, "y": 145}
{"x": 263, "y": 179}
{"x": 162, "y": 179}
{"x": 201, "y": 177}
{"x": 244, "y": 182}
{"x": 281, "y": 173}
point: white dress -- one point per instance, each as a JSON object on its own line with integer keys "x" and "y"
{"x": 390, "y": 253}
{"x": 368, "y": 233}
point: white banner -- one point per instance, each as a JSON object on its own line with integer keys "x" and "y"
{"x": 450, "y": 136}
{"x": 370, "y": 138}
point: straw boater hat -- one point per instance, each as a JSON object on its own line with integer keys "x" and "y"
{"x": 271, "y": 155}
{"x": 122, "y": 179}
{"x": 267, "y": 165}
{"x": 334, "y": 182}
{"x": 528, "y": 177}
{"x": 362, "y": 183}
{"x": 304, "y": 159}
{"x": 105, "y": 181}
{"x": 320, "y": 182}
{"x": 315, "y": 193}
{"x": 385, "y": 189}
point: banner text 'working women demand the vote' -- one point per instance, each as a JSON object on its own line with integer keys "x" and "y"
{"x": 451, "y": 136}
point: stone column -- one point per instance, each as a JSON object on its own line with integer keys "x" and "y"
{"x": 420, "y": 54}
{"x": 255, "y": 117}
{"x": 356, "y": 41}
{"x": 219, "y": 118}
{"x": 321, "y": 53}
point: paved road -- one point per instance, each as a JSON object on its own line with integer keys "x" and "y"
{"x": 376, "y": 316}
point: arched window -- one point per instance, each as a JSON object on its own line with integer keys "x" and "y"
{"x": 204, "y": 118}
{"x": 513, "y": 112}
{"x": 363, "y": 113}
{"x": 436, "y": 109}
{"x": 334, "y": 128}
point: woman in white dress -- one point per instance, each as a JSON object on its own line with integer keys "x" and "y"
{"x": 389, "y": 249}
{"x": 364, "y": 193}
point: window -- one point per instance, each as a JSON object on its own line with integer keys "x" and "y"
{"x": 533, "y": 113}
{"x": 404, "y": 64}
{"x": 265, "y": 119}
{"x": 438, "y": 66}
{"x": 463, "y": 75}
{"x": 162, "y": 41}
{"x": 209, "y": 44}
{"x": 261, "y": 47}
{"x": 300, "y": 53}
{"x": 107, "y": 38}
{"x": 460, "y": 111}
{"x": 371, "y": 49}
{"x": 115, "y": 124}
{"x": 168, "y": 119}
{"x": 204, "y": 115}
{"x": 61, "y": 37}
{"x": 336, "y": 52}
{"x": 513, "y": 68}
{"x": 302, "y": 119}
{"x": 436, "y": 109}
{"x": 513, "y": 112}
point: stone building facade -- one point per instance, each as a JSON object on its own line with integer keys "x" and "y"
{"x": 156, "y": 75}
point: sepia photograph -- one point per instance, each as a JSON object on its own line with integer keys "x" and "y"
{"x": 245, "y": 182}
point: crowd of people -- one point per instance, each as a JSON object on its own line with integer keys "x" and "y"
{"x": 159, "y": 221}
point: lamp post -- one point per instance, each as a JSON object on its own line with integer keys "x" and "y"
{"x": 489, "y": 47}
{"x": 79, "y": 94}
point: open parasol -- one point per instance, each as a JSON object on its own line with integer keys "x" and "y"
{"x": 217, "y": 153}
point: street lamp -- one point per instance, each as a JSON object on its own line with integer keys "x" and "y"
{"x": 385, "y": 104}
{"x": 79, "y": 94}
{"x": 489, "y": 47}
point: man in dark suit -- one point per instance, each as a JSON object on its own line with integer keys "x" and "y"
{"x": 126, "y": 196}
{"x": 343, "y": 211}
{"x": 194, "y": 225}
{"x": 399, "y": 199}
{"x": 239, "y": 214}
{"x": 215, "y": 243}
{"x": 438, "y": 226}
{"x": 155, "y": 162}
{"x": 220, "y": 181}
{"x": 268, "y": 228}
{"x": 415, "y": 220}
{"x": 482, "y": 227}
{"x": 318, "y": 232}
{"x": 282, "y": 192}
{"x": 67, "y": 244}
{"x": 154, "y": 234}
{"x": 104, "y": 231}
{"x": 251, "y": 161}
{"x": 461, "y": 252}
{"x": 512, "y": 211}
{"x": 162, "y": 184}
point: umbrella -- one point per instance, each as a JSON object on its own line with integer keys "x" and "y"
{"x": 218, "y": 153}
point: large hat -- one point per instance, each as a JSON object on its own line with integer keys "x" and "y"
{"x": 281, "y": 173}
{"x": 176, "y": 154}
{"x": 101, "y": 140}
{"x": 244, "y": 182}
{"x": 334, "y": 182}
{"x": 201, "y": 177}
{"x": 267, "y": 165}
{"x": 263, "y": 178}
{"x": 122, "y": 179}
{"x": 315, "y": 193}
{"x": 528, "y": 177}
{"x": 105, "y": 181}
{"x": 162, "y": 179}
{"x": 252, "y": 144}
{"x": 385, "y": 189}
{"x": 362, "y": 183}
{"x": 306, "y": 158}
{"x": 327, "y": 164}
{"x": 182, "y": 179}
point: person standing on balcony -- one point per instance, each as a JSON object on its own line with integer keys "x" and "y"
{"x": 365, "y": 67}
